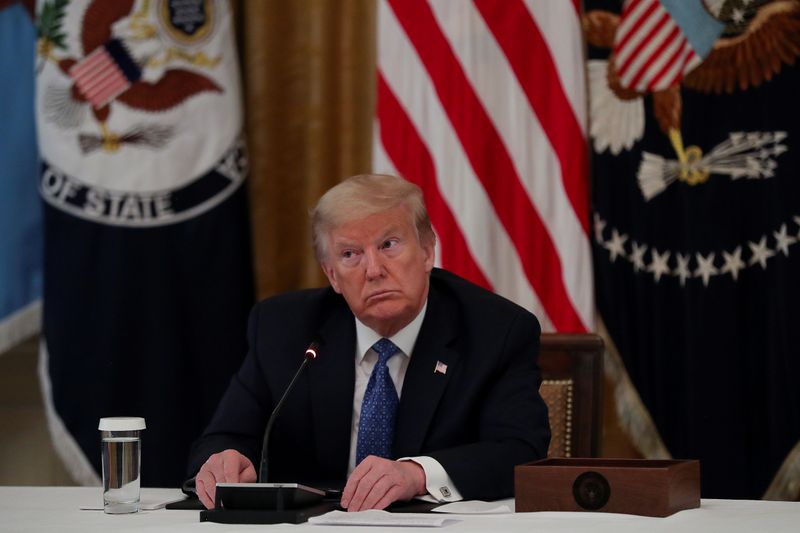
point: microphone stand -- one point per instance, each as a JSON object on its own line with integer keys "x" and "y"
{"x": 311, "y": 354}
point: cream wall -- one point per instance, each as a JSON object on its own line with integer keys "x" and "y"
{"x": 27, "y": 456}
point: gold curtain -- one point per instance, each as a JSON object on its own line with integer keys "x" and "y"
{"x": 308, "y": 71}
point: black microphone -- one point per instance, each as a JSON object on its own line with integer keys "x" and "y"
{"x": 311, "y": 353}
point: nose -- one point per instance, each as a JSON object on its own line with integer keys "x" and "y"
{"x": 374, "y": 265}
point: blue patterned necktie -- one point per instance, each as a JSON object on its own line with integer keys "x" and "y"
{"x": 378, "y": 409}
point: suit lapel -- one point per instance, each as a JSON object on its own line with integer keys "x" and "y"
{"x": 332, "y": 379}
{"x": 423, "y": 386}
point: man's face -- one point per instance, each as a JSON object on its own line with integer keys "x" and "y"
{"x": 378, "y": 264}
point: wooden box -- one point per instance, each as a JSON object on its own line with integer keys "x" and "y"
{"x": 632, "y": 486}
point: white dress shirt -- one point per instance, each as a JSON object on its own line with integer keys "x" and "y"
{"x": 439, "y": 485}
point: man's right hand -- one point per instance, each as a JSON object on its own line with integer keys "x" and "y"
{"x": 229, "y": 466}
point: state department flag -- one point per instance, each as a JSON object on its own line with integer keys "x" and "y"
{"x": 696, "y": 230}
{"x": 20, "y": 206}
{"x": 147, "y": 264}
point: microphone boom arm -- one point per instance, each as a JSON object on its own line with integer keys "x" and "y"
{"x": 311, "y": 353}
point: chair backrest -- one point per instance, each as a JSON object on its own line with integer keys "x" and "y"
{"x": 572, "y": 387}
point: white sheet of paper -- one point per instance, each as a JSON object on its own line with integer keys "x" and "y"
{"x": 379, "y": 518}
{"x": 476, "y": 507}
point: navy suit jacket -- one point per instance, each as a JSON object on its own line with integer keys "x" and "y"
{"x": 479, "y": 419}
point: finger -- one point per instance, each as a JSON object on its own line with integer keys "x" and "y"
{"x": 353, "y": 481}
{"x": 389, "y": 498}
{"x": 211, "y": 484}
{"x": 361, "y": 491}
{"x": 230, "y": 469}
{"x": 379, "y": 489}
{"x": 248, "y": 475}
{"x": 202, "y": 493}
{"x": 365, "y": 486}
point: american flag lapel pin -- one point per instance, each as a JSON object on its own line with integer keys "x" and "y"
{"x": 440, "y": 367}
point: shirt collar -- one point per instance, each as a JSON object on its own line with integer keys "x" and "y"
{"x": 403, "y": 339}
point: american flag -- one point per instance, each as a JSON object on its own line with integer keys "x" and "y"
{"x": 658, "y": 42}
{"x": 105, "y": 73}
{"x": 483, "y": 105}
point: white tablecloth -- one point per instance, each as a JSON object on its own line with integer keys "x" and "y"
{"x": 38, "y": 509}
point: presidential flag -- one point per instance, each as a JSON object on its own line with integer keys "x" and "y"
{"x": 482, "y": 104}
{"x": 695, "y": 230}
{"x": 147, "y": 264}
{"x": 20, "y": 207}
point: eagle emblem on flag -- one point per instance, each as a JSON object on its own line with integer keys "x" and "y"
{"x": 139, "y": 111}
{"x": 126, "y": 62}
{"x": 711, "y": 46}
{"x": 696, "y": 245}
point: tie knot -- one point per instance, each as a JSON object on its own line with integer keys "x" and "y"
{"x": 385, "y": 349}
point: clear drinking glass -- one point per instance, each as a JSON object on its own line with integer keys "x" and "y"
{"x": 121, "y": 454}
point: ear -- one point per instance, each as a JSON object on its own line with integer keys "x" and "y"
{"x": 330, "y": 273}
{"x": 429, "y": 249}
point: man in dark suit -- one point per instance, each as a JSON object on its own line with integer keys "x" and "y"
{"x": 425, "y": 384}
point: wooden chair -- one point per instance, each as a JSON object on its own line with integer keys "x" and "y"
{"x": 572, "y": 386}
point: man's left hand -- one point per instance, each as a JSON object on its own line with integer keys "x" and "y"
{"x": 376, "y": 482}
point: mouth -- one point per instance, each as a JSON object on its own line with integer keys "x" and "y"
{"x": 381, "y": 295}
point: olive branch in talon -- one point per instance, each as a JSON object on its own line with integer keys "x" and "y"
{"x": 49, "y": 31}
{"x": 742, "y": 155}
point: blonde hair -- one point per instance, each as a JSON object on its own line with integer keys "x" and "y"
{"x": 363, "y": 195}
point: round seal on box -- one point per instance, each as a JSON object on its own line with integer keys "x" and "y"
{"x": 591, "y": 491}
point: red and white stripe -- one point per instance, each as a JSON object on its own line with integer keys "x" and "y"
{"x": 483, "y": 105}
{"x": 651, "y": 53}
{"x": 98, "y": 78}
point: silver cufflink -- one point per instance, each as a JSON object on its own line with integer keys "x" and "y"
{"x": 445, "y": 492}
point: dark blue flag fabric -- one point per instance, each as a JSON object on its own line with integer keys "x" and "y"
{"x": 696, "y": 199}
{"x": 20, "y": 205}
{"x": 147, "y": 265}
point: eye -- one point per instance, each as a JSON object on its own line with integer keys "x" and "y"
{"x": 349, "y": 256}
{"x": 389, "y": 244}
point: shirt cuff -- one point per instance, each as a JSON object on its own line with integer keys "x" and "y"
{"x": 438, "y": 484}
